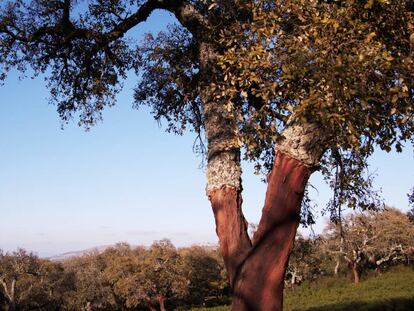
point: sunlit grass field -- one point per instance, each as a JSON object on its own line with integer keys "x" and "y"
{"x": 392, "y": 290}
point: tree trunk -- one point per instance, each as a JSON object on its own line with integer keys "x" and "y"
{"x": 294, "y": 275}
{"x": 260, "y": 279}
{"x": 336, "y": 269}
{"x": 161, "y": 301}
{"x": 355, "y": 272}
{"x": 256, "y": 269}
{"x": 11, "y": 305}
{"x": 231, "y": 228}
{"x": 223, "y": 169}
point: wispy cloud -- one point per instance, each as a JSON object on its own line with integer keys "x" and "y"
{"x": 158, "y": 233}
{"x": 143, "y": 233}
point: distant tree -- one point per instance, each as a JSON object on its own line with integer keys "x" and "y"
{"x": 162, "y": 277}
{"x": 376, "y": 238}
{"x": 204, "y": 269}
{"x": 305, "y": 261}
{"x": 93, "y": 291}
{"x": 122, "y": 262}
{"x": 352, "y": 239}
{"x": 394, "y": 241}
{"x": 47, "y": 289}
{"x": 15, "y": 269}
{"x": 144, "y": 278}
{"x": 299, "y": 85}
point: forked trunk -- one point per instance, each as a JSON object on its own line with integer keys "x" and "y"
{"x": 223, "y": 170}
{"x": 9, "y": 293}
{"x": 256, "y": 269}
{"x": 259, "y": 281}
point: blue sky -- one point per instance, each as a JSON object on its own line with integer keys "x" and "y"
{"x": 125, "y": 180}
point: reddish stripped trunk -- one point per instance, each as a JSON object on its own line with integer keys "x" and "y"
{"x": 257, "y": 272}
{"x": 231, "y": 228}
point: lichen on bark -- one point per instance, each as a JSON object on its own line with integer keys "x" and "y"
{"x": 223, "y": 164}
{"x": 224, "y": 170}
{"x": 223, "y": 167}
{"x": 305, "y": 142}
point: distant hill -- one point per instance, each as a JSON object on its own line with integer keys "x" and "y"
{"x": 101, "y": 249}
{"x": 68, "y": 255}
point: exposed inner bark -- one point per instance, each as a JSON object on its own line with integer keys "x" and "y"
{"x": 223, "y": 169}
{"x": 231, "y": 228}
{"x": 256, "y": 269}
{"x": 260, "y": 279}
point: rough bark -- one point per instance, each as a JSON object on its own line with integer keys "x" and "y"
{"x": 304, "y": 142}
{"x": 260, "y": 279}
{"x": 223, "y": 168}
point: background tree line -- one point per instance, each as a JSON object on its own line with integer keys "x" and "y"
{"x": 162, "y": 277}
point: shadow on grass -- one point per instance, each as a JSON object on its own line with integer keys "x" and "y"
{"x": 394, "y": 304}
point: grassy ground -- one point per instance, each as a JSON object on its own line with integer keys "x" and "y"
{"x": 393, "y": 290}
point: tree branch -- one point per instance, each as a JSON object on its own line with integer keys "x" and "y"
{"x": 186, "y": 14}
{"x": 9, "y": 295}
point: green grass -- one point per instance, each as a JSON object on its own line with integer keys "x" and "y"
{"x": 393, "y": 290}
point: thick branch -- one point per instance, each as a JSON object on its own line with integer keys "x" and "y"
{"x": 186, "y": 14}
